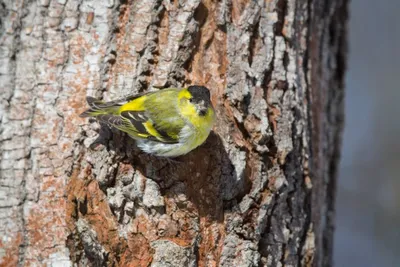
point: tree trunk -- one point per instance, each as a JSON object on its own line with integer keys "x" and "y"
{"x": 259, "y": 192}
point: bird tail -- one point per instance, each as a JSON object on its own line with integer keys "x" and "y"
{"x": 98, "y": 107}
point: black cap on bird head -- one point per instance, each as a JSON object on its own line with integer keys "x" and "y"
{"x": 201, "y": 97}
{"x": 199, "y": 93}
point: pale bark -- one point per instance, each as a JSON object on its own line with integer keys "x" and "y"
{"x": 259, "y": 192}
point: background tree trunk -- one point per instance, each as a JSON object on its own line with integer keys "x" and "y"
{"x": 259, "y": 192}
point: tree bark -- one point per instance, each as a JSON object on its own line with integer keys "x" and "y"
{"x": 259, "y": 192}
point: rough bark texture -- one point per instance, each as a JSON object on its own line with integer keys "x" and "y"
{"x": 259, "y": 192}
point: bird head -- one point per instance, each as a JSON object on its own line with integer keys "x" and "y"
{"x": 200, "y": 99}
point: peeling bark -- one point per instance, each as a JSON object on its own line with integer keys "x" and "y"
{"x": 259, "y": 192}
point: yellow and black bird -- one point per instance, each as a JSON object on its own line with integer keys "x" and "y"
{"x": 169, "y": 122}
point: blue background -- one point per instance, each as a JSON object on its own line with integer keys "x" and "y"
{"x": 368, "y": 196}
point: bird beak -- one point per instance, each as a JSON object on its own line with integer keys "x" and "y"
{"x": 202, "y": 108}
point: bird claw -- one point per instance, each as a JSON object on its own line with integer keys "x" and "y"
{"x": 105, "y": 135}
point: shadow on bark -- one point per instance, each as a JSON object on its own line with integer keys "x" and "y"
{"x": 209, "y": 178}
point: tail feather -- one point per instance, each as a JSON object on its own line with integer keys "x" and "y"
{"x": 97, "y": 107}
{"x": 92, "y": 100}
{"x": 87, "y": 113}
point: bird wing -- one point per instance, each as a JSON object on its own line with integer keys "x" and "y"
{"x": 138, "y": 124}
{"x": 151, "y": 115}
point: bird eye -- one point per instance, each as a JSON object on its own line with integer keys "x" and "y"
{"x": 191, "y": 100}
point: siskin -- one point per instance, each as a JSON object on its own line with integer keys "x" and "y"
{"x": 169, "y": 122}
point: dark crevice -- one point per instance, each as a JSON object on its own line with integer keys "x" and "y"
{"x": 245, "y": 104}
{"x": 156, "y": 51}
{"x": 341, "y": 15}
{"x": 200, "y": 16}
{"x": 283, "y": 84}
{"x": 75, "y": 246}
{"x": 83, "y": 208}
{"x": 116, "y": 30}
{"x": 265, "y": 239}
{"x": 255, "y": 35}
{"x": 243, "y": 130}
{"x": 272, "y": 148}
{"x": 326, "y": 8}
{"x": 122, "y": 213}
{"x": 332, "y": 33}
{"x": 285, "y": 60}
{"x": 281, "y": 9}
{"x": 300, "y": 192}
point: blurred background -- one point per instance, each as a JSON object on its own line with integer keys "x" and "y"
{"x": 368, "y": 196}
